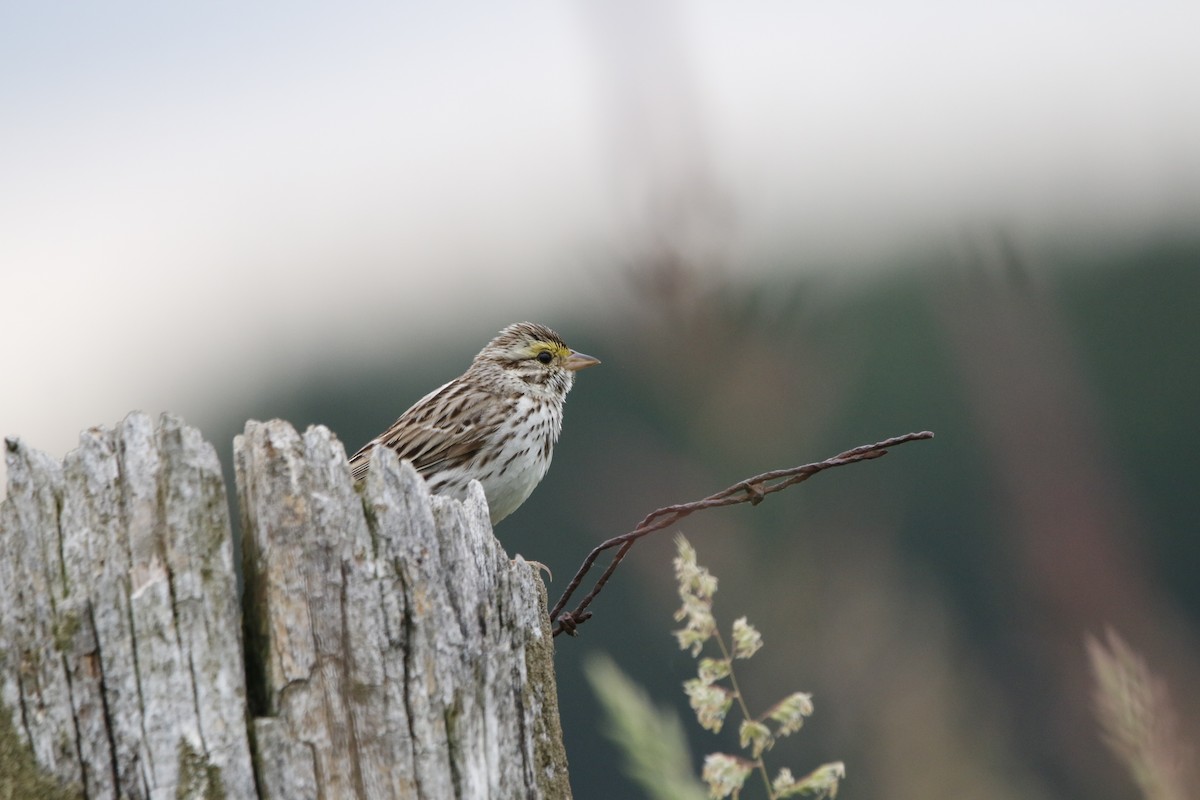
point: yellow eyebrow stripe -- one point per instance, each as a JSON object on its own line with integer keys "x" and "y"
{"x": 561, "y": 352}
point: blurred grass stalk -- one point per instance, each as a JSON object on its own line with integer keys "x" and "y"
{"x": 657, "y": 757}
{"x": 1136, "y": 720}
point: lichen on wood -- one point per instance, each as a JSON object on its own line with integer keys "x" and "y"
{"x": 121, "y": 639}
{"x": 433, "y": 699}
{"x": 391, "y": 649}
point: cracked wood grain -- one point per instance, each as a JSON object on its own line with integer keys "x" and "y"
{"x": 391, "y": 648}
{"x": 391, "y": 636}
{"x": 121, "y": 653}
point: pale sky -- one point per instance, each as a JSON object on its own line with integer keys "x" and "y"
{"x": 195, "y": 198}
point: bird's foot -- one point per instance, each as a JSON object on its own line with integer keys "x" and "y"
{"x": 537, "y": 564}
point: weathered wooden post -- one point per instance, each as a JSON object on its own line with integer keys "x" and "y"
{"x": 390, "y": 648}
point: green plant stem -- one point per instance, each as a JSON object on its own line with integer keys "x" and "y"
{"x": 737, "y": 692}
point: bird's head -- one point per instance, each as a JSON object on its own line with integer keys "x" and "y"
{"x": 533, "y": 358}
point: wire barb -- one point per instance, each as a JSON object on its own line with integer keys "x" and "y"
{"x": 751, "y": 490}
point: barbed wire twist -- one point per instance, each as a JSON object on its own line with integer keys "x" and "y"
{"x": 751, "y": 490}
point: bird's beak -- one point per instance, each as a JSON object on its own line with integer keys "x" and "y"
{"x": 578, "y": 361}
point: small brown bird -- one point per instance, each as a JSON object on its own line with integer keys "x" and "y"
{"x": 497, "y": 423}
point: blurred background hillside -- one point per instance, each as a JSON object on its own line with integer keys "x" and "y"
{"x": 786, "y": 230}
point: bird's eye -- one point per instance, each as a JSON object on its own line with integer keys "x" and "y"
{"x": 545, "y": 357}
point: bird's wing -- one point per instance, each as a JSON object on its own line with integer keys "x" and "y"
{"x": 444, "y": 428}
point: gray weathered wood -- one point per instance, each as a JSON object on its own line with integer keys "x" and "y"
{"x": 120, "y": 630}
{"x": 393, "y": 638}
{"x": 392, "y": 648}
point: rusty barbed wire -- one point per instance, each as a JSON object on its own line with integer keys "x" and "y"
{"x": 751, "y": 490}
